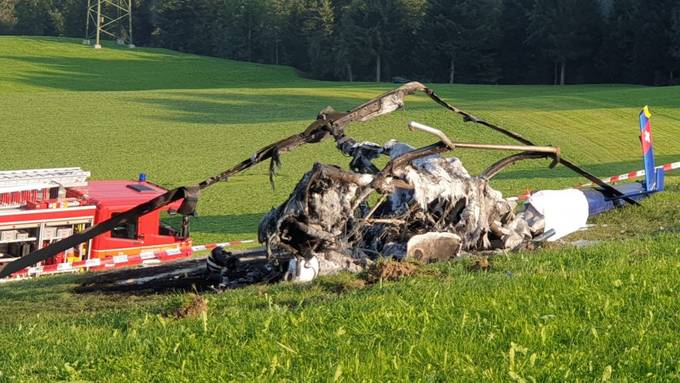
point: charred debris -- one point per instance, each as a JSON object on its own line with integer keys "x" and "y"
{"x": 422, "y": 204}
{"x": 428, "y": 207}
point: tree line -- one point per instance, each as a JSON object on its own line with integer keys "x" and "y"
{"x": 456, "y": 41}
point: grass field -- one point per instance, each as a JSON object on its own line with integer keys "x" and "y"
{"x": 608, "y": 312}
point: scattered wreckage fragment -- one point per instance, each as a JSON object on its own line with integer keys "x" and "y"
{"x": 420, "y": 192}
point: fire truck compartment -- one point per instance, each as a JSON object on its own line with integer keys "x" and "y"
{"x": 42, "y": 206}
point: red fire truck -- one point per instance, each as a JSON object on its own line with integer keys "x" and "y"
{"x": 41, "y": 206}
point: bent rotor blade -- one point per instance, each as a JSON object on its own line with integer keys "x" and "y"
{"x": 322, "y": 127}
{"x": 610, "y": 190}
{"x": 331, "y": 123}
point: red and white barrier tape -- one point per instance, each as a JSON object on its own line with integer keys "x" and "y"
{"x": 610, "y": 180}
{"x": 118, "y": 261}
{"x": 150, "y": 258}
{"x": 211, "y": 246}
{"x": 637, "y": 174}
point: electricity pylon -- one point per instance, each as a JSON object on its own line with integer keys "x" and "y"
{"x": 109, "y": 18}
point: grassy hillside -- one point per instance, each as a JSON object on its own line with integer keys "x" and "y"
{"x": 39, "y": 64}
{"x": 180, "y": 118}
{"x": 560, "y": 314}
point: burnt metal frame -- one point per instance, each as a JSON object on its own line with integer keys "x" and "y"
{"x": 328, "y": 123}
{"x": 528, "y": 152}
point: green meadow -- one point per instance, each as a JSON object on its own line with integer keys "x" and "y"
{"x": 606, "y": 312}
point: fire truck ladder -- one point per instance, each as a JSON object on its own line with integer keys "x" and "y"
{"x": 17, "y": 181}
{"x": 65, "y": 177}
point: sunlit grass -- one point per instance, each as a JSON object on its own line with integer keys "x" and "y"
{"x": 557, "y": 314}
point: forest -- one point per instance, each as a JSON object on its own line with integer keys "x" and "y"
{"x": 454, "y": 41}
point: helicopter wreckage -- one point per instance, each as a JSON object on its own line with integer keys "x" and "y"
{"x": 421, "y": 205}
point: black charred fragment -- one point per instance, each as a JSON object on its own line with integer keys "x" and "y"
{"x": 274, "y": 166}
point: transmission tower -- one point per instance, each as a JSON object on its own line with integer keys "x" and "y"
{"x": 109, "y": 19}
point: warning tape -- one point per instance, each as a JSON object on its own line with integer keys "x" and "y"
{"x": 610, "y": 180}
{"x": 152, "y": 258}
{"x": 637, "y": 174}
{"x": 145, "y": 258}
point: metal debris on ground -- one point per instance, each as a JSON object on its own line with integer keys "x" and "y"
{"x": 429, "y": 207}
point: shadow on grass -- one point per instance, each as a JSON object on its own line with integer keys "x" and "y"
{"x": 256, "y": 102}
{"x": 121, "y": 69}
{"x": 39, "y": 289}
{"x": 117, "y": 69}
{"x": 240, "y": 108}
{"x": 65, "y": 64}
{"x": 145, "y": 73}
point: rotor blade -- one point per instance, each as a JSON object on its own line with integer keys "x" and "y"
{"x": 145, "y": 208}
{"x": 516, "y": 136}
{"x": 315, "y": 132}
{"x": 325, "y": 124}
{"x": 501, "y": 164}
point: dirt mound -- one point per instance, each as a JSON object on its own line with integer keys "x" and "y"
{"x": 193, "y": 308}
{"x": 391, "y": 271}
{"x": 482, "y": 264}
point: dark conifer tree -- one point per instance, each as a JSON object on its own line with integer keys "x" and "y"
{"x": 475, "y": 41}
{"x": 565, "y": 31}
{"x": 517, "y": 61}
{"x": 463, "y": 38}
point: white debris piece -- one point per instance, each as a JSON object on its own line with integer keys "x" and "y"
{"x": 564, "y": 211}
{"x": 303, "y": 271}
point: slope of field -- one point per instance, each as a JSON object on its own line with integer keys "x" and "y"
{"x": 561, "y": 314}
